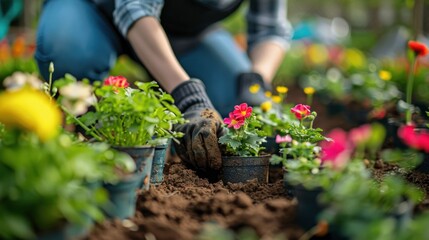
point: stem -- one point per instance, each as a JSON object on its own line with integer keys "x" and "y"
{"x": 309, "y": 99}
{"x": 81, "y": 124}
{"x": 410, "y": 90}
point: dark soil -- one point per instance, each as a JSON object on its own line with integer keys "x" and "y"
{"x": 184, "y": 203}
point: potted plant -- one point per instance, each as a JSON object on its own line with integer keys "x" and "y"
{"x": 130, "y": 120}
{"x": 45, "y": 177}
{"x": 241, "y": 159}
{"x": 360, "y": 207}
{"x": 409, "y": 114}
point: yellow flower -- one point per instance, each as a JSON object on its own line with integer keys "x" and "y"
{"x": 254, "y": 88}
{"x": 385, "y": 75}
{"x": 30, "y": 110}
{"x": 266, "y": 106}
{"x": 317, "y": 54}
{"x": 268, "y": 94}
{"x": 282, "y": 89}
{"x": 355, "y": 58}
{"x": 276, "y": 99}
{"x": 309, "y": 90}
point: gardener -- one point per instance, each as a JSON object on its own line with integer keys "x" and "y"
{"x": 179, "y": 42}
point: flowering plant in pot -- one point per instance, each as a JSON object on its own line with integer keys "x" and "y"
{"x": 44, "y": 176}
{"x": 130, "y": 120}
{"x": 274, "y": 116}
{"x": 360, "y": 207}
{"x": 412, "y": 113}
{"x": 241, "y": 160}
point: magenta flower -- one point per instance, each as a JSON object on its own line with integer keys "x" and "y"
{"x": 360, "y": 134}
{"x": 233, "y": 122}
{"x": 284, "y": 139}
{"x": 301, "y": 111}
{"x": 336, "y": 152}
{"x": 415, "y": 139}
{"x": 242, "y": 111}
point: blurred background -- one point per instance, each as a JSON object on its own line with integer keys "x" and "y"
{"x": 352, "y": 53}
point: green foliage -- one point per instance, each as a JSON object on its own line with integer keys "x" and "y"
{"x": 45, "y": 185}
{"x": 362, "y": 208}
{"x": 127, "y": 116}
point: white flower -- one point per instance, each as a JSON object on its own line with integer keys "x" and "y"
{"x": 77, "y": 97}
{"x": 76, "y": 91}
{"x": 19, "y": 79}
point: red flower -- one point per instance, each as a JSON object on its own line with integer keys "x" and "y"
{"x": 414, "y": 139}
{"x": 242, "y": 111}
{"x": 337, "y": 151}
{"x": 418, "y": 48}
{"x": 234, "y": 122}
{"x": 301, "y": 111}
{"x": 116, "y": 81}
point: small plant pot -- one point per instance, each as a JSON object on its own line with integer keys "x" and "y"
{"x": 271, "y": 147}
{"x": 423, "y": 167}
{"x": 308, "y": 206}
{"x": 157, "y": 173}
{"x": 143, "y": 157}
{"x": 289, "y": 188}
{"x": 237, "y": 169}
{"x": 122, "y": 197}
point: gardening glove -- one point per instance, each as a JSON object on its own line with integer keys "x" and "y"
{"x": 244, "y": 82}
{"x": 199, "y": 146}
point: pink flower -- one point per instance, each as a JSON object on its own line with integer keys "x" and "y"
{"x": 242, "y": 111}
{"x": 285, "y": 139}
{"x": 233, "y": 122}
{"x": 117, "y": 81}
{"x": 301, "y": 111}
{"x": 336, "y": 152}
{"x": 415, "y": 139}
{"x": 360, "y": 134}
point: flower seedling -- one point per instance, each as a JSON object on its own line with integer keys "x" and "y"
{"x": 242, "y": 137}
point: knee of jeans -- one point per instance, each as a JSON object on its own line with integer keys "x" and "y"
{"x": 82, "y": 47}
{"x": 70, "y": 59}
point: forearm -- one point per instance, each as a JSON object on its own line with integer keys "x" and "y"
{"x": 266, "y": 58}
{"x": 152, "y": 47}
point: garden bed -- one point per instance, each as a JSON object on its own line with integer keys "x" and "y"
{"x": 183, "y": 205}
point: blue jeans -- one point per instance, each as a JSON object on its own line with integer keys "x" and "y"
{"x": 80, "y": 40}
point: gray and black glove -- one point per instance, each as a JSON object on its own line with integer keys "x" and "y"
{"x": 199, "y": 146}
{"x": 244, "y": 81}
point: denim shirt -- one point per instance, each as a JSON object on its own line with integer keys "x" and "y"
{"x": 266, "y": 19}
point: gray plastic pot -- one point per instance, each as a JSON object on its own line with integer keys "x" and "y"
{"x": 143, "y": 158}
{"x": 236, "y": 169}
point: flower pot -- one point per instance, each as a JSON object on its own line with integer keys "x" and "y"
{"x": 157, "y": 173}
{"x": 237, "y": 169}
{"x": 308, "y": 206}
{"x": 271, "y": 147}
{"x": 424, "y": 165}
{"x": 289, "y": 188}
{"x": 122, "y": 197}
{"x": 143, "y": 157}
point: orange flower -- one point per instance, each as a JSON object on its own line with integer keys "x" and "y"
{"x": 4, "y": 51}
{"x": 418, "y": 48}
{"x": 18, "y": 47}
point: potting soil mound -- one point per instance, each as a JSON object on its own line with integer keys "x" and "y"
{"x": 185, "y": 204}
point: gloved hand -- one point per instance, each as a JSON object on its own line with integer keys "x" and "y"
{"x": 244, "y": 81}
{"x": 199, "y": 146}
